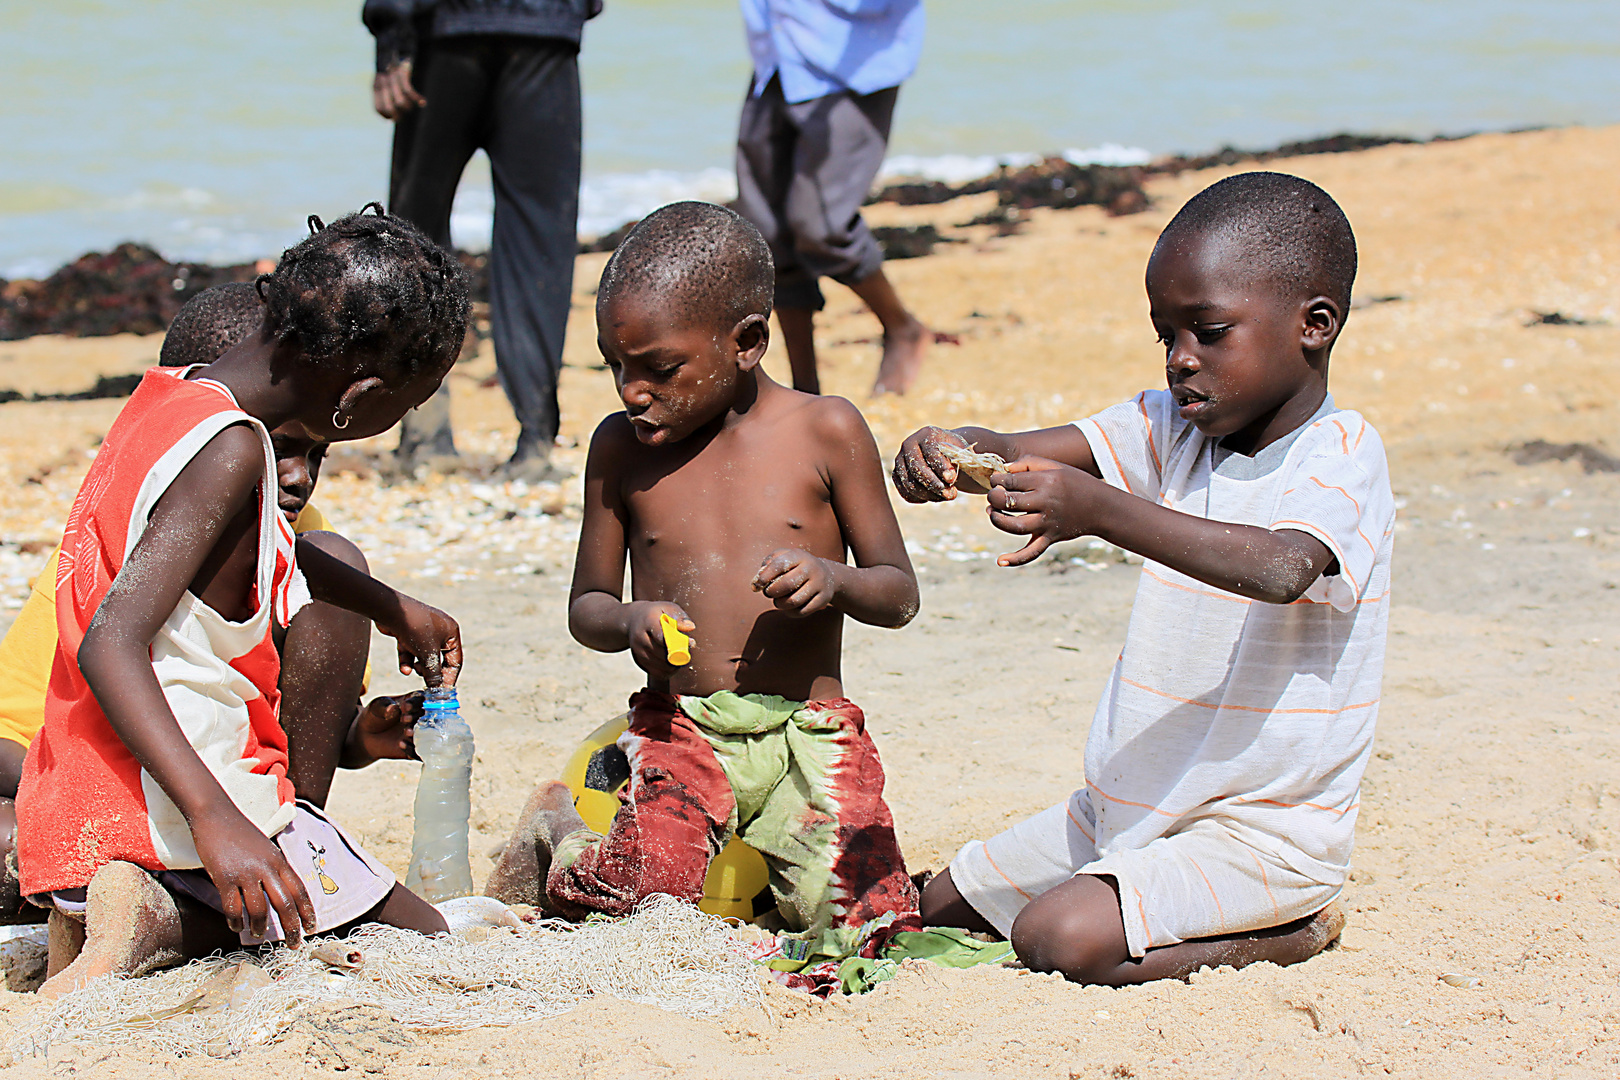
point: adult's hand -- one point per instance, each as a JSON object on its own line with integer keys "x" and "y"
{"x": 392, "y": 94}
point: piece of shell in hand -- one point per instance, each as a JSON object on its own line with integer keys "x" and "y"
{"x": 975, "y": 466}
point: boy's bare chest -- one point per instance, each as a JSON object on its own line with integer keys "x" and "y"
{"x": 734, "y": 504}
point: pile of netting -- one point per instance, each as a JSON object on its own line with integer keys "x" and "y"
{"x": 667, "y": 954}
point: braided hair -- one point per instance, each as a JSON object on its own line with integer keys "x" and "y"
{"x": 370, "y": 293}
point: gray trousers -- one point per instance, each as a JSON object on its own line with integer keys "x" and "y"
{"x": 518, "y": 100}
{"x": 803, "y": 172}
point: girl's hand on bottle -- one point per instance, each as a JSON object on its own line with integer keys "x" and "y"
{"x": 386, "y": 728}
{"x": 429, "y": 641}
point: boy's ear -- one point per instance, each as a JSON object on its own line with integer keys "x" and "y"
{"x": 1322, "y": 320}
{"x": 749, "y": 340}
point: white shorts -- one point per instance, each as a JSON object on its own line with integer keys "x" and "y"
{"x": 1203, "y": 881}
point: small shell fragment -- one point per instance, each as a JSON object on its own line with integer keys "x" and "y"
{"x": 1461, "y": 981}
{"x": 975, "y": 466}
{"x": 337, "y": 955}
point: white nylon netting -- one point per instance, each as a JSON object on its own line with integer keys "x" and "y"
{"x": 667, "y": 954}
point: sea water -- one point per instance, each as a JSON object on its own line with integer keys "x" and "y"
{"x": 211, "y": 130}
{"x": 440, "y": 867}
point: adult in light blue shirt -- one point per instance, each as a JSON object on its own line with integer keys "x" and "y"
{"x": 814, "y": 132}
{"x": 819, "y": 47}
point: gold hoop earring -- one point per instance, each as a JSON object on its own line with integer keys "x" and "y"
{"x": 338, "y": 414}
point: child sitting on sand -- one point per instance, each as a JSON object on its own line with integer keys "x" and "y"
{"x": 735, "y": 500}
{"x": 323, "y": 652}
{"x": 154, "y": 807}
{"x": 1223, "y": 769}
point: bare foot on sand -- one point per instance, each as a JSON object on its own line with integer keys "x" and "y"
{"x": 1325, "y": 927}
{"x": 131, "y": 927}
{"x": 519, "y": 876}
{"x": 903, "y": 351}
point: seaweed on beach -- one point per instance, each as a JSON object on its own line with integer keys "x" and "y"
{"x": 1342, "y": 143}
{"x": 133, "y": 289}
{"x": 1060, "y": 184}
{"x": 910, "y": 241}
{"x": 128, "y": 290}
{"x": 1052, "y": 182}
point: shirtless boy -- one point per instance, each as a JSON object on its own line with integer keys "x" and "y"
{"x": 1223, "y": 768}
{"x": 735, "y": 500}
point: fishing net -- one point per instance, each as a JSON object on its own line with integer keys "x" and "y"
{"x": 667, "y": 954}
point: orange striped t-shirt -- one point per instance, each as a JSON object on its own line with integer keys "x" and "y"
{"x": 1260, "y": 715}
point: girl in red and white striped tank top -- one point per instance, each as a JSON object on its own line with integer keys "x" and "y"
{"x": 162, "y": 761}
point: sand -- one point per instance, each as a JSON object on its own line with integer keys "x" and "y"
{"x": 1491, "y": 812}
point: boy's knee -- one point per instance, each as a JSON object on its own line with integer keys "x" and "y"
{"x": 338, "y": 546}
{"x": 1072, "y": 932}
{"x": 1062, "y": 942}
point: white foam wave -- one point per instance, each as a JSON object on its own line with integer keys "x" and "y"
{"x": 194, "y": 223}
{"x": 609, "y": 201}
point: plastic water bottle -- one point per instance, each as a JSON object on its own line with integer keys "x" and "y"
{"x": 440, "y": 868}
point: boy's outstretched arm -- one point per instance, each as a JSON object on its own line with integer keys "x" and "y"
{"x": 923, "y": 474}
{"x": 881, "y": 588}
{"x": 598, "y": 617}
{"x": 429, "y": 640}
{"x": 186, "y": 525}
{"x": 1050, "y": 502}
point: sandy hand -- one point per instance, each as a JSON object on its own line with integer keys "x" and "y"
{"x": 922, "y": 471}
{"x": 429, "y": 642}
{"x": 1043, "y": 500}
{"x": 796, "y": 581}
{"x": 253, "y": 877}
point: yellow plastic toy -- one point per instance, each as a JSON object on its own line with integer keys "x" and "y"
{"x": 677, "y": 644}
{"x": 598, "y": 771}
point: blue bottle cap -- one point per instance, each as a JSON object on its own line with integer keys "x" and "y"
{"x": 440, "y": 698}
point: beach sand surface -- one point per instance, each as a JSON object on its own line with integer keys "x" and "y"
{"x": 1490, "y": 818}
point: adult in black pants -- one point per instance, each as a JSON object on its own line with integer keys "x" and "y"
{"x": 457, "y": 76}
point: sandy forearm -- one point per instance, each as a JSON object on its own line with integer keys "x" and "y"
{"x": 876, "y": 595}
{"x": 333, "y": 581}
{"x": 600, "y": 621}
{"x": 1275, "y": 567}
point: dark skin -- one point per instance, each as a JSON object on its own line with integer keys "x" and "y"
{"x": 1247, "y": 362}
{"x": 323, "y": 660}
{"x": 13, "y": 908}
{"x": 202, "y": 537}
{"x": 392, "y": 94}
{"x": 737, "y": 502}
{"x": 324, "y": 654}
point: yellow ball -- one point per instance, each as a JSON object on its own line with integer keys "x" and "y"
{"x": 598, "y": 771}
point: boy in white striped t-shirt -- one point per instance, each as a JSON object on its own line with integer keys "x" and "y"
{"x": 1224, "y": 764}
